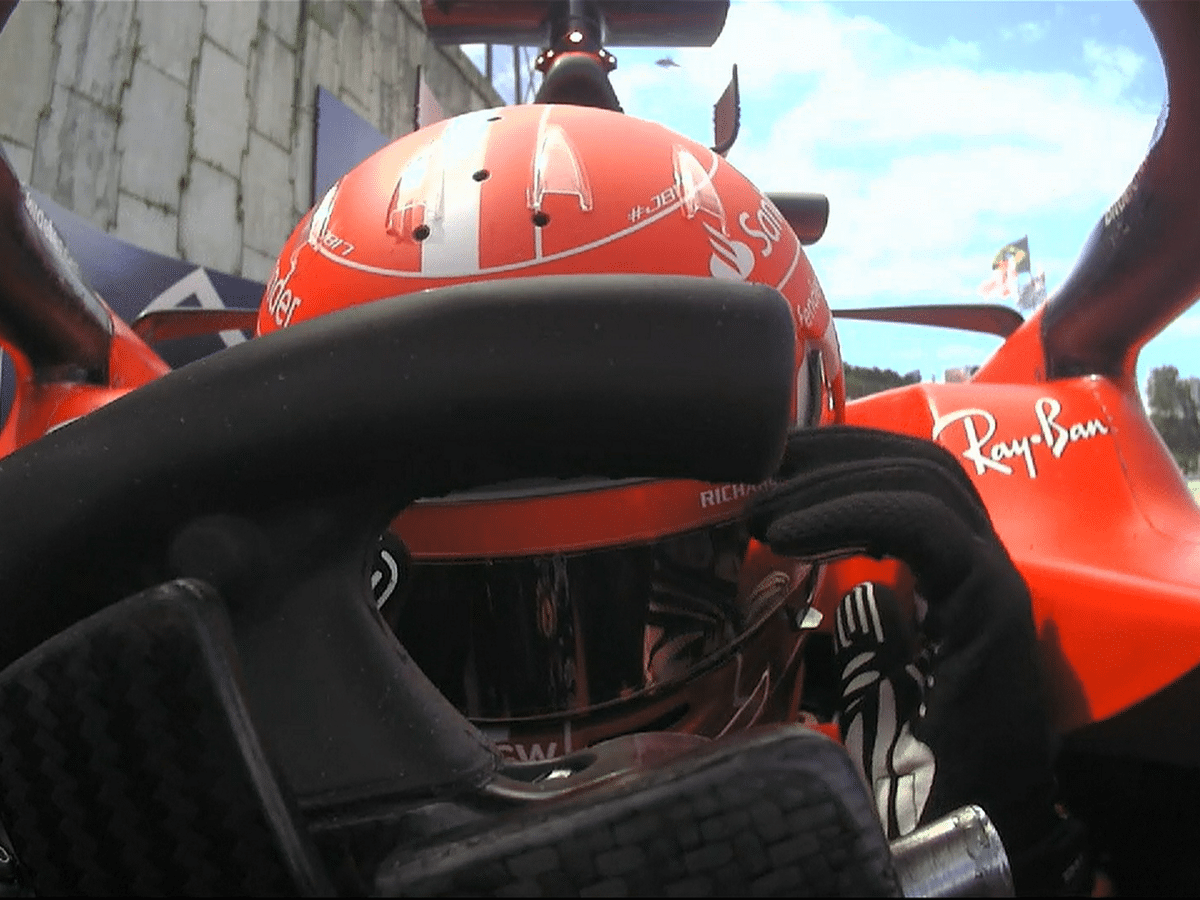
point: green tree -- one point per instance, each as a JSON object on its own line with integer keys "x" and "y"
{"x": 1175, "y": 414}
{"x": 861, "y": 381}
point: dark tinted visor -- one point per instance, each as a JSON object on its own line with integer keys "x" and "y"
{"x": 512, "y": 638}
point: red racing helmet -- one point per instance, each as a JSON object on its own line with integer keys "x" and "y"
{"x": 556, "y": 614}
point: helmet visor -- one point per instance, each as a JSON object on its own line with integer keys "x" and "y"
{"x": 513, "y": 638}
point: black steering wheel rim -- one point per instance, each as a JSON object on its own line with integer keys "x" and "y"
{"x": 269, "y": 469}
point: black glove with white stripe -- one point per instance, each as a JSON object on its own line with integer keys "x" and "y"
{"x": 951, "y": 712}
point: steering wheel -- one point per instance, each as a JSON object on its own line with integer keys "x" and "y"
{"x": 268, "y": 471}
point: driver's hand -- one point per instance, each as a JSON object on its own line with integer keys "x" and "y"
{"x": 952, "y": 713}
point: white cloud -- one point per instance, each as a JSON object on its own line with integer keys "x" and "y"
{"x": 955, "y": 50}
{"x": 1026, "y": 32}
{"x": 772, "y": 44}
{"x": 1113, "y": 67}
{"x": 929, "y": 161}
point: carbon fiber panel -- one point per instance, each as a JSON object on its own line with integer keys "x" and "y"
{"x": 129, "y": 764}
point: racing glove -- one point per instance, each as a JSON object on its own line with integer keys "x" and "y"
{"x": 950, "y": 711}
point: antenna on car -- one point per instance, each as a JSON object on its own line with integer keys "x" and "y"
{"x": 727, "y": 117}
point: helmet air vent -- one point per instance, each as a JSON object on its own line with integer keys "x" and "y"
{"x": 556, "y": 168}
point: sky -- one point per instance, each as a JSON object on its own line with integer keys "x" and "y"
{"x": 940, "y": 131}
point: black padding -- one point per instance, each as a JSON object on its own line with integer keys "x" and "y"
{"x": 129, "y": 762}
{"x": 272, "y": 467}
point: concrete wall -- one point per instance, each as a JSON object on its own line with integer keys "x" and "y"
{"x": 186, "y": 126}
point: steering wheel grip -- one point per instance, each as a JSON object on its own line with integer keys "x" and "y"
{"x": 270, "y": 468}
